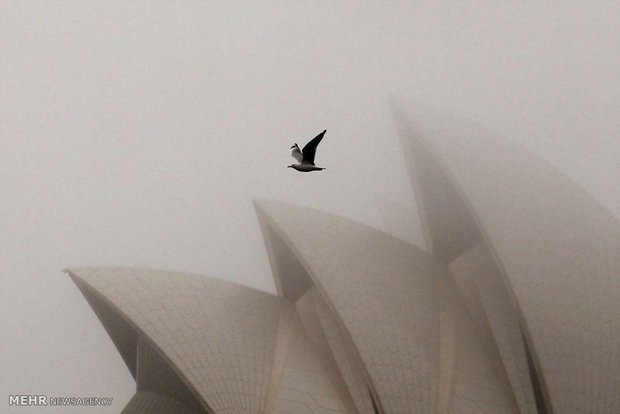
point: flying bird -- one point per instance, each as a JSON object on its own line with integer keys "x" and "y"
{"x": 305, "y": 157}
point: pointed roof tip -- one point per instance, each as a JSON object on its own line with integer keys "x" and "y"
{"x": 82, "y": 273}
{"x": 73, "y": 274}
{"x": 258, "y": 205}
{"x": 267, "y": 207}
{"x": 405, "y": 110}
{"x": 263, "y": 204}
{"x": 259, "y": 202}
{"x": 72, "y": 271}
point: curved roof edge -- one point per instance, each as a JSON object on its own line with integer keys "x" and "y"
{"x": 203, "y": 343}
{"x": 364, "y": 251}
{"x": 557, "y": 249}
{"x": 101, "y": 299}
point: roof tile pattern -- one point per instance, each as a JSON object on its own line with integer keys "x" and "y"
{"x": 305, "y": 386}
{"x": 344, "y": 353}
{"x": 479, "y": 381}
{"x": 559, "y": 249}
{"x": 476, "y": 269}
{"x": 219, "y": 336}
{"x": 384, "y": 290}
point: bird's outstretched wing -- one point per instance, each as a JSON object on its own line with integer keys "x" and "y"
{"x": 296, "y": 153}
{"x": 310, "y": 149}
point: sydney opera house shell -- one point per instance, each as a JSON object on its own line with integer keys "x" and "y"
{"x": 512, "y": 307}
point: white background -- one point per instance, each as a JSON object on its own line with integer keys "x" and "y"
{"x": 137, "y": 133}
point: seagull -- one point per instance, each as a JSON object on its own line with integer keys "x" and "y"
{"x": 305, "y": 158}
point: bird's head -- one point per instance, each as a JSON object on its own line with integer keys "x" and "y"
{"x": 290, "y": 166}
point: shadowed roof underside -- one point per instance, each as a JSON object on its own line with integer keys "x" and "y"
{"x": 557, "y": 248}
{"x": 202, "y": 345}
{"x": 386, "y": 293}
{"x": 219, "y": 338}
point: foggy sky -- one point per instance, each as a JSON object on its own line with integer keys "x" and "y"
{"x": 138, "y": 133}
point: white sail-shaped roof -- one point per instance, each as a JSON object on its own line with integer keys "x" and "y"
{"x": 558, "y": 248}
{"x": 453, "y": 235}
{"x": 218, "y": 337}
{"x": 305, "y": 386}
{"x": 387, "y": 293}
{"x": 343, "y": 353}
{"x": 475, "y": 272}
{"x": 201, "y": 345}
